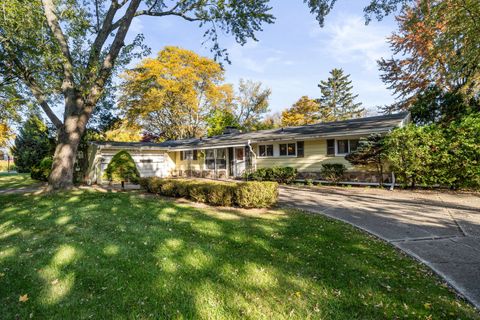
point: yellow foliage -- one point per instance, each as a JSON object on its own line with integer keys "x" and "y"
{"x": 5, "y": 134}
{"x": 172, "y": 93}
{"x": 124, "y": 133}
{"x": 304, "y": 111}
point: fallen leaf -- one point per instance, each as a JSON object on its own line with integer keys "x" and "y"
{"x": 54, "y": 282}
{"x": 427, "y": 305}
{"x": 23, "y": 298}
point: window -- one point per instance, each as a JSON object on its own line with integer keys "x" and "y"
{"x": 288, "y": 149}
{"x": 221, "y": 159}
{"x": 218, "y": 157}
{"x": 210, "y": 159}
{"x": 300, "y": 149}
{"x": 187, "y": 155}
{"x": 331, "y": 147}
{"x": 266, "y": 150}
{"x": 346, "y": 146}
{"x": 239, "y": 154}
{"x": 342, "y": 146}
{"x": 353, "y": 145}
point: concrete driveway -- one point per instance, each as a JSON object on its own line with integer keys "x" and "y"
{"x": 440, "y": 229}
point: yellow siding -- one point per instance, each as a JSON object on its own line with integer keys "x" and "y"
{"x": 315, "y": 156}
{"x": 188, "y": 164}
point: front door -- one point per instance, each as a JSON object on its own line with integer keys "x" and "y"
{"x": 239, "y": 161}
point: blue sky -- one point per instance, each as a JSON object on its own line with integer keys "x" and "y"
{"x": 294, "y": 54}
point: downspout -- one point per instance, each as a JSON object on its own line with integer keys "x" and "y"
{"x": 254, "y": 155}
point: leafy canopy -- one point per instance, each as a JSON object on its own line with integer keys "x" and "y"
{"x": 171, "y": 95}
{"x": 304, "y": 111}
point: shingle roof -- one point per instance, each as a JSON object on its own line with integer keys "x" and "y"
{"x": 360, "y": 126}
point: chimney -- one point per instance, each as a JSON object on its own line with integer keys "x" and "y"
{"x": 231, "y": 130}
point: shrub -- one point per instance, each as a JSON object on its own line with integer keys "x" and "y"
{"x": 247, "y": 194}
{"x": 122, "y": 168}
{"x": 42, "y": 170}
{"x": 333, "y": 171}
{"x": 253, "y": 194}
{"x": 32, "y": 144}
{"x": 279, "y": 174}
{"x": 437, "y": 155}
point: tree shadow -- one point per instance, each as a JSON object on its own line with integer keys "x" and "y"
{"x": 116, "y": 255}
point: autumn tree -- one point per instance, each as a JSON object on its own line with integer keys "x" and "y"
{"x": 337, "y": 102}
{"x": 63, "y": 53}
{"x": 436, "y": 46}
{"x": 172, "y": 95}
{"x": 304, "y": 111}
{"x": 251, "y": 104}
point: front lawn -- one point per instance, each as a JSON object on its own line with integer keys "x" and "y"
{"x": 16, "y": 180}
{"x": 96, "y": 255}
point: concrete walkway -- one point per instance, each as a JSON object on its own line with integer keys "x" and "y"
{"x": 440, "y": 229}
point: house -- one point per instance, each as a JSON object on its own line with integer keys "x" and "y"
{"x": 233, "y": 153}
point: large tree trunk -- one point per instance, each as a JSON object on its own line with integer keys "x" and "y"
{"x": 68, "y": 140}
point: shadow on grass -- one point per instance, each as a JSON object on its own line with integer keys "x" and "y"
{"x": 118, "y": 255}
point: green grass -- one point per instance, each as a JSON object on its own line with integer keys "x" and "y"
{"x": 117, "y": 255}
{"x": 16, "y": 180}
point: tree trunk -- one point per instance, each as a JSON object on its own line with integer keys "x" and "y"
{"x": 68, "y": 140}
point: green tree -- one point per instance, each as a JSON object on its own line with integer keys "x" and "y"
{"x": 122, "y": 168}
{"x": 435, "y": 106}
{"x": 32, "y": 144}
{"x": 304, "y": 111}
{"x": 370, "y": 152}
{"x": 219, "y": 119}
{"x": 337, "y": 102}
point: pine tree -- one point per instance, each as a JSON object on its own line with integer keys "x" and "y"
{"x": 337, "y": 101}
{"x": 32, "y": 144}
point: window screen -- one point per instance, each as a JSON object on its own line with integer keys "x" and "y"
{"x": 283, "y": 149}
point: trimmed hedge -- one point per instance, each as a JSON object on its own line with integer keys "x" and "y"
{"x": 250, "y": 194}
{"x": 279, "y": 174}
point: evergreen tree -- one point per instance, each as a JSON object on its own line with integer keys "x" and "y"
{"x": 337, "y": 101}
{"x": 32, "y": 144}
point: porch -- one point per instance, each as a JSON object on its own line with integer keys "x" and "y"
{"x": 214, "y": 163}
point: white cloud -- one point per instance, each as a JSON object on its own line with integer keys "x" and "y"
{"x": 348, "y": 40}
{"x": 254, "y": 57}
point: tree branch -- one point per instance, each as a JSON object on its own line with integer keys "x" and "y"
{"x": 101, "y": 38}
{"x": 54, "y": 25}
{"x": 108, "y": 62}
